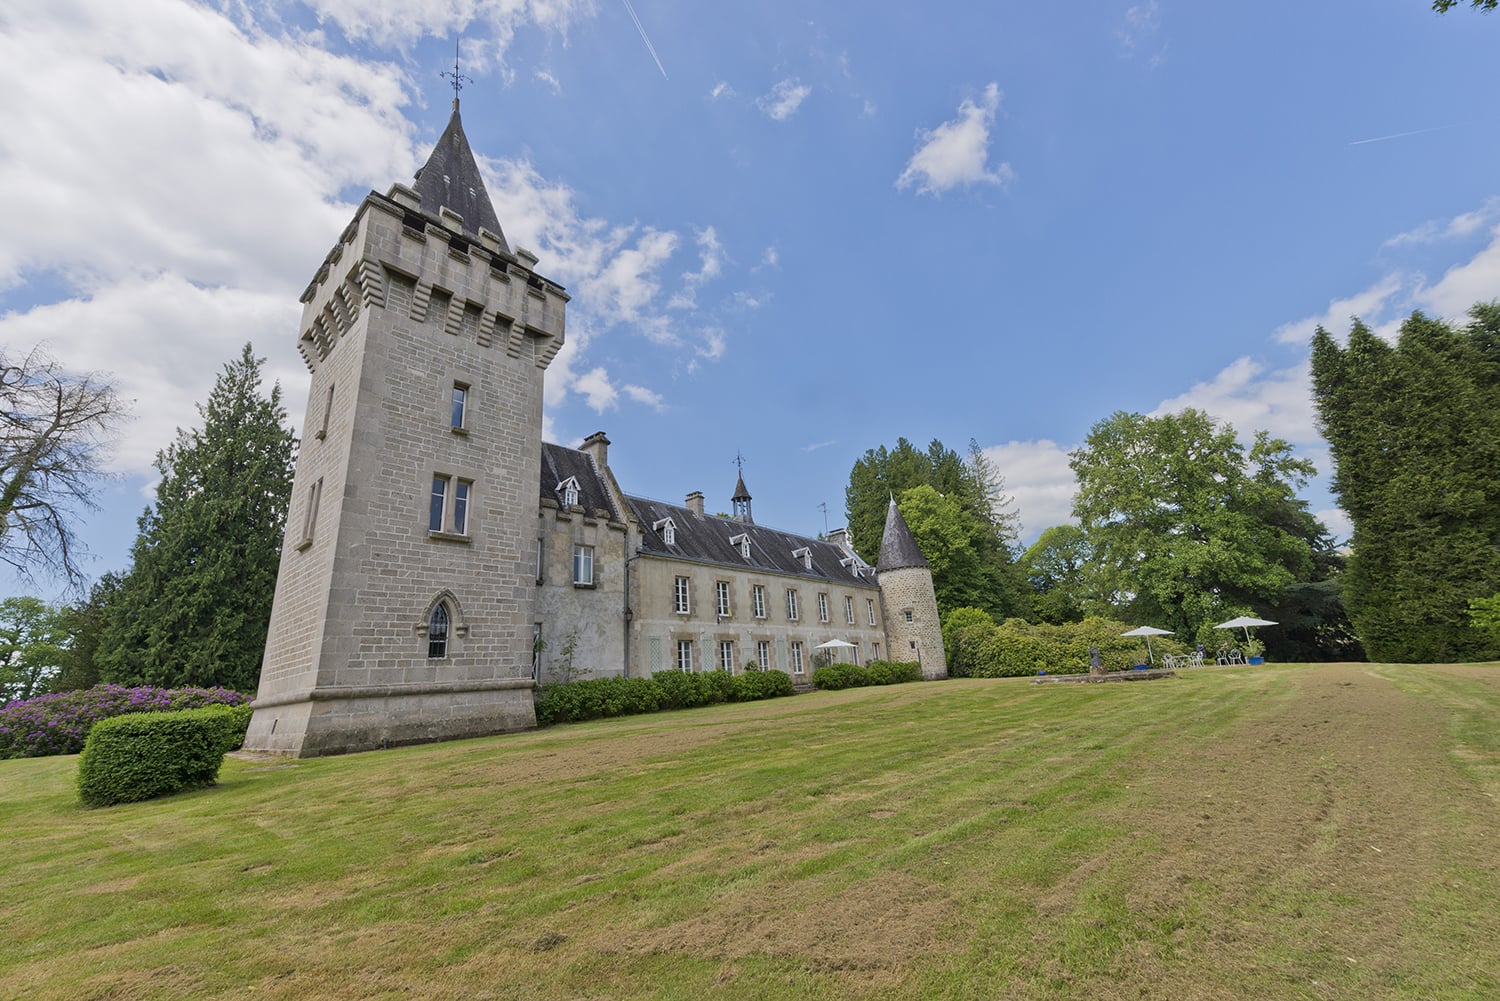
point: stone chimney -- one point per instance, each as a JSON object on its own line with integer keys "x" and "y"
{"x": 840, "y": 537}
{"x": 695, "y": 502}
{"x": 597, "y": 446}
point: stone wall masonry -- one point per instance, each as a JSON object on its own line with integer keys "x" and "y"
{"x": 910, "y": 589}
{"x": 346, "y": 665}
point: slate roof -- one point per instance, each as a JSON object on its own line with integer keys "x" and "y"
{"x": 451, "y": 178}
{"x": 559, "y": 463}
{"x": 704, "y": 538}
{"x": 898, "y": 549}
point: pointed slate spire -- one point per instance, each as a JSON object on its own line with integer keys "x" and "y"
{"x": 898, "y": 549}
{"x": 450, "y": 179}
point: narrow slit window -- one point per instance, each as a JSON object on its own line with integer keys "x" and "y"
{"x": 439, "y": 504}
{"x": 460, "y": 406}
{"x": 461, "y": 507}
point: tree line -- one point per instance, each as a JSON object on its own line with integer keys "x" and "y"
{"x": 195, "y": 602}
{"x": 1181, "y": 526}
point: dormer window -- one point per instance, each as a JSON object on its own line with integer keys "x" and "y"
{"x": 569, "y": 490}
{"x": 742, "y": 543}
{"x": 805, "y": 555}
{"x": 668, "y": 529}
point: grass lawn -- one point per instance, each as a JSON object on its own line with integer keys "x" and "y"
{"x": 1266, "y": 832}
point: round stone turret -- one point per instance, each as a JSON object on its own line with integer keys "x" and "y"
{"x": 912, "y": 624}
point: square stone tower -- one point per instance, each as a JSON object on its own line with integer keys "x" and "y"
{"x": 403, "y": 609}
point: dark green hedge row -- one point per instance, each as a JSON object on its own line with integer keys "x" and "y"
{"x": 597, "y": 698}
{"x": 145, "y": 755}
{"x": 880, "y": 672}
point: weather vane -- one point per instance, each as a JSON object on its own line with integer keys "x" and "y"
{"x": 739, "y": 461}
{"x": 458, "y": 78}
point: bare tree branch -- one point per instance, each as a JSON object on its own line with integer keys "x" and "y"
{"x": 54, "y": 430}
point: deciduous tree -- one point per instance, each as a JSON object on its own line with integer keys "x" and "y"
{"x": 53, "y": 428}
{"x": 1182, "y": 524}
{"x": 195, "y": 604}
{"x": 31, "y": 646}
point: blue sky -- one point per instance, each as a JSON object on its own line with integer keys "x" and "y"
{"x": 791, "y": 230}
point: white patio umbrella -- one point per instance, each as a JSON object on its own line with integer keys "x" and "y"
{"x": 1148, "y": 632}
{"x": 1244, "y": 622}
{"x": 834, "y": 645}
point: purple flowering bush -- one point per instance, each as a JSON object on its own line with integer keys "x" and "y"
{"x": 59, "y": 724}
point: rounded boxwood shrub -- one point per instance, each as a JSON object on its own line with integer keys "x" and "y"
{"x": 145, "y": 755}
{"x": 597, "y": 698}
{"x": 755, "y": 685}
{"x": 893, "y": 672}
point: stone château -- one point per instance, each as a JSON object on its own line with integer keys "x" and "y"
{"x": 441, "y": 560}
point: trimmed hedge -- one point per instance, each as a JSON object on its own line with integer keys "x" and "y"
{"x": 597, "y": 698}
{"x": 979, "y": 648}
{"x": 60, "y": 723}
{"x": 144, "y": 755}
{"x": 880, "y": 672}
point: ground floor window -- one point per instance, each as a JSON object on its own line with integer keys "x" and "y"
{"x": 685, "y": 656}
{"x": 726, "y": 655}
{"x": 796, "y": 658}
{"x": 437, "y": 632}
{"x": 763, "y": 654}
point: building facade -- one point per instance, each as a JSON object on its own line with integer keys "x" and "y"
{"x": 425, "y": 590}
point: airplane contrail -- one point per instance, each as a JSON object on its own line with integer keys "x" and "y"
{"x": 1403, "y": 135}
{"x": 649, "y": 47}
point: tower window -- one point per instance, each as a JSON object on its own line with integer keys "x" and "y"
{"x": 439, "y": 503}
{"x": 437, "y": 632}
{"x": 907, "y": 613}
{"x": 327, "y": 412}
{"x": 448, "y": 508}
{"x": 460, "y": 406}
{"x": 310, "y": 518}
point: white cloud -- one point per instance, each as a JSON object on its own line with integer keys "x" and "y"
{"x": 1337, "y": 521}
{"x": 957, "y": 151}
{"x": 394, "y": 23}
{"x": 550, "y": 80}
{"x": 784, "y": 99}
{"x": 115, "y": 329}
{"x": 1368, "y": 305}
{"x": 1038, "y": 476}
{"x": 1251, "y": 399}
{"x": 819, "y": 444}
{"x": 595, "y": 387}
{"x": 770, "y": 259}
{"x": 1474, "y": 280}
{"x": 141, "y": 244}
{"x": 641, "y": 394}
{"x": 1462, "y": 225}
{"x": 1140, "y": 32}
{"x": 721, "y": 89}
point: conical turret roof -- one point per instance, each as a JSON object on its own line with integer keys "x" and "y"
{"x": 898, "y": 549}
{"x": 740, "y": 490}
{"x": 450, "y": 179}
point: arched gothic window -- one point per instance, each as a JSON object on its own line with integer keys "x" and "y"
{"x": 437, "y": 632}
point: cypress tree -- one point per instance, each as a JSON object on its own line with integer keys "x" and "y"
{"x": 194, "y": 608}
{"x": 1414, "y": 430}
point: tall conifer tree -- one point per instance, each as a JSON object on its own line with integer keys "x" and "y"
{"x": 194, "y": 608}
{"x": 1415, "y": 433}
